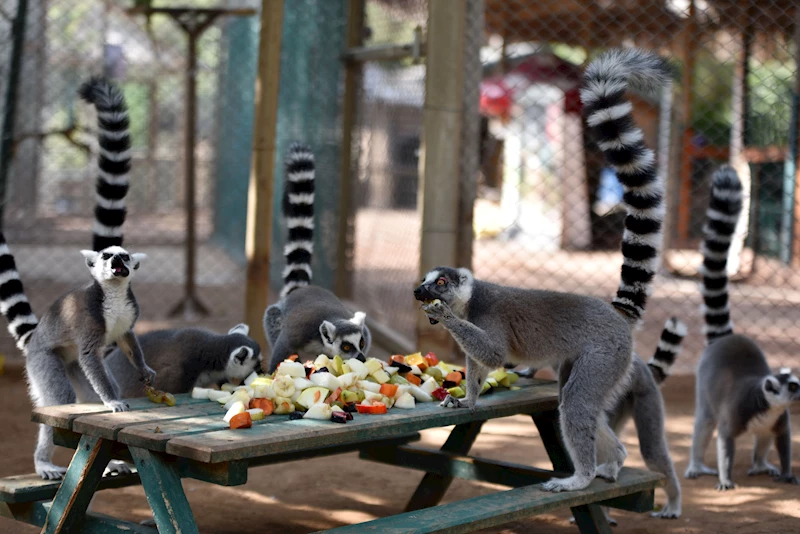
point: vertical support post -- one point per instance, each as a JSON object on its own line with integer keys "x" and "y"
{"x": 440, "y": 165}
{"x": 262, "y": 171}
{"x": 792, "y": 164}
{"x": 344, "y": 267}
{"x": 687, "y": 98}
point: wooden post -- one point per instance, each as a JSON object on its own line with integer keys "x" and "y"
{"x": 259, "y": 198}
{"x": 690, "y": 46}
{"x": 440, "y": 165}
{"x": 793, "y": 154}
{"x": 344, "y": 267}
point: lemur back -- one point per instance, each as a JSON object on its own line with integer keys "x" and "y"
{"x": 588, "y": 340}
{"x": 308, "y": 320}
{"x": 735, "y": 390}
{"x": 64, "y": 350}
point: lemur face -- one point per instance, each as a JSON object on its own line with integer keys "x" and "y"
{"x": 451, "y": 286}
{"x": 783, "y": 388}
{"x": 346, "y": 338}
{"x": 112, "y": 263}
{"x": 245, "y": 357}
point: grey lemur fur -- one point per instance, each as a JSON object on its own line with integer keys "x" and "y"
{"x": 64, "y": 350}
{"x": 736, "y": 391}
{"x": 586, "y": 339}
{"x": 643, "y": 402}
{"x": 188, "y": 357}
{"x": 308, "y": 320}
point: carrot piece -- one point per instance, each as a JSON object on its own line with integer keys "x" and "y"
{"x": 389, "y": 389}
{"x": 241, "y": 420}
{"x": 455, "y": 376}
{"x": 265, "y": 404}
{"x": 413, "y": 379}
{"x": 333, "y": 397}
{"x": 374, "y": 408}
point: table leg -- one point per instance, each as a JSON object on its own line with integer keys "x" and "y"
{"x": 589, "y": 518}
{"x": 164, "y": 492}
{"x": 433, "y": 487}
{"x": 79, "y": 484}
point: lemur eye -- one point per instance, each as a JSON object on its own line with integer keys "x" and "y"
{"x": 441, "y": 281}
{"x": 107, "y": 255}
{"x": 361, "y": 344}
{"x": 347, "y": 347}
{"x": 793, "y": 387}
{"x": 124, "y": 257}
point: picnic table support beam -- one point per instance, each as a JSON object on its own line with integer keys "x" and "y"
{"x": 80, "y": 482}
{"x": 433, "y": 486}
{"x": 162, "y": 487}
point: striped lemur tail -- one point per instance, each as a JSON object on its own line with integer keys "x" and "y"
{"x": 14, "y": 304}
{"x": 114, "y": 162}
{"x": 298, "y": 209}
{"x": 724, "y": 207}
{"x": 610, "y": 117}
{"x": 669, "y": 346}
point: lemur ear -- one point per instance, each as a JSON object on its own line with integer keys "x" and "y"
{"x": 358, "y": 318}
{"x": 240, "y": 329}
{"x": 328, "y": 331}
{"x": 772, "y": 385}
{"x": 90, "y": 256}
{"x": 138, "y": 258}
{"x": 464, "y": 275}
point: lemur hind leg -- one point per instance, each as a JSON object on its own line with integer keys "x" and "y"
{"x": 726, "y": 449}
{"x": 584, "y": 392}
{"x": 49, "y": 386}
{"x": 761, "y": 447}
{"x": 704, "y": 424}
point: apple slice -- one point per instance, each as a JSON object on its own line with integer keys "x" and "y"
{"x": 381, "y": 377}
{"x": 293, "y": 369}
{"x": 256, "y": 414}
{"x": 326, "y": 380}
{"x": 225, "y": 398}
{"x": 236, "y": 408}
{"x": 391, "y": 370}
{"x": 302, "y": 383}
{"x": 369, "y": 386}
{"x": 311, "y": 396}
{"x": 374, "y": 365}
{"x": 336, "y": 365}
{"x": 406, "y": 402}
{"x": 322, "y": 361}
{"x": 238, "y": 396}
{"x": 402, "y": 390}
{"x": 370, "y": 396}
{"x": 250, "y": 378}
{"x": 457, "y": 392}
{"x": 420, "y": 394}
{"x": 415, "y": 370}
{"x": 200, "y": 393}
{"x": 359, "y": 368}
{"x": 429, "y": 385}
{"x": 319, "y": 411}
{"x": 214, "y": 394}
{"x": 348, "y": 379}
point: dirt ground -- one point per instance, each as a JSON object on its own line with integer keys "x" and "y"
{"x": 299, "y": 497}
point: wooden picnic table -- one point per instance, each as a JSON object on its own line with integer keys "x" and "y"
{"x": 191, "y": 440}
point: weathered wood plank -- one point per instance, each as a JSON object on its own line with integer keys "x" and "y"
{"x": 504, "y": 506}
{"x": 108, "y": 425}
{"x": 79, "y": 484}
{"x": 590, "y": 519}
{"x": 35, "y": 513}
{"x": 433, "y": 486}
{"x": 30, "y": 488}
{"x": 62, "y": 416}
{"x": 262, "y": 440}
{"x": 162, "y": 487}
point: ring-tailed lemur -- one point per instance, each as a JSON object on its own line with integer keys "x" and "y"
{"x": 188, "y": 357}
{"x": 588, "y": 340}
{"x": 642, "y": 401}
{"x": 114, "y": 161}
{"x": 735, "y": 390}
{"x": 308, "y": 320}
{"x": 64, "y": 350}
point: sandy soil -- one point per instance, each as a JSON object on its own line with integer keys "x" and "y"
{"x": 299, "y": 497}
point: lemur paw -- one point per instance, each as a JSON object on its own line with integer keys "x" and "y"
{"x": 117, "y": 468}
{"x": 668, "y": 512}
{"x": 608, "y": 471}
{"x": 699, "y": 470}
{"x": 148, "y": 375}
{"x": 789, "y": 479}
{"x": 117, "y": 406}
{"x": 763, "y": 469}
{"x": 50, "y": 471}
{"x": 572, "y": 483}
{"x": 452, "y": 402}
{"x": 725, "y": 486}
{"x": 437, "y": 311}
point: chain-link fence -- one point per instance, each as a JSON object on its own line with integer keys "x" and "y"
{"x": 50, "y": 185}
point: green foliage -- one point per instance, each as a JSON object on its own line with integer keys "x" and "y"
{"x": 137, "y": 97}
{"x": 770, "y": 101}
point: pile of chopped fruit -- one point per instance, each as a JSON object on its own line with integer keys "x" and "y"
{"x": 332, "y": 389}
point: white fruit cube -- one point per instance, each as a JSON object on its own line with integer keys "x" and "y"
{"x": 326, "y": 380}
{"x": 374, "y": 365}
{"x": 250, "y": 378}
{"x": 200, "y": 393}
{"x": 429, "y": 385}
{"x": 256, "y": 414}
{"x": 263, "y": 391}
{"x": 419, "y": 394}
{"x": 415, "y": 370}
{"x": 381, "y": 376}
{"x": 370, "y": 396}
{"x": 359, "y": 368}
{"x": 322, "y": 361}
{"x": 214, "y": 394}
{"x": 368, "y": 386}
{"x": 311, "y": 396}
{"x": 293, "y": 369}
{"x": 402, "y": 390}
{"x": 390, "y": 370}
{"x": 406, "y": 402}
{"x": 302, "y": 383}
{"x": 348, "y": 379}
{"x": 225, "y": 398}
{"x": 320, "y": 411}
{"x": 235, "y": 409}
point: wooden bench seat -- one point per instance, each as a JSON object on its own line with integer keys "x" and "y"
{"x": 505, "y": 506}
{"x": 31, "y": 488}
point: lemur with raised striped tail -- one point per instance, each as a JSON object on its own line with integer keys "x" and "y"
{"x": 587, "y": 339}
{"x": 308, "y": 320}
{"x": 643, "y": 403}
{"x": 64, "y": 350}
{"x": 736, "y": 391}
